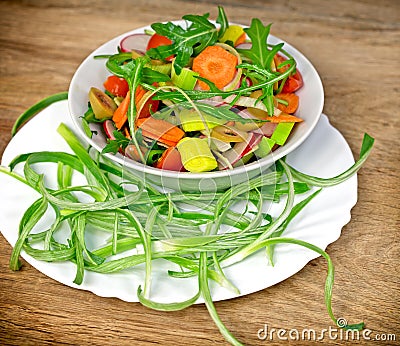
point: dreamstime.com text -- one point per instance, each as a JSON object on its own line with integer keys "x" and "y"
{"x": 268, "y": 333}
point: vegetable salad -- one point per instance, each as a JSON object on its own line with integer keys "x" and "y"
{"x": 208, "y": 96}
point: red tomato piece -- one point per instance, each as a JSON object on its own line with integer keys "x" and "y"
{"x": 294, "y": 82}
{"x": 170, "y": 160}
{"x": 149, "y": 107}
{"x": 157, "y": 40}
{"x": 116, "y": 86}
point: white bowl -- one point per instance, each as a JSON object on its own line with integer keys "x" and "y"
{"x": 92, "y": 72}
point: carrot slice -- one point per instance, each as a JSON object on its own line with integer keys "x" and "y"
{"x": 120, "y": 114}
{"x": 126, "y": 133}
{"x": 284, "y": 118}
{"x": 215, "y": 64}
{"x": 139, "y": 93}
{"x": 241, "y": 39}
{"x": 159, "y": 139}
{"x": 291, "y": 99}
{"x": 160, "y": 130}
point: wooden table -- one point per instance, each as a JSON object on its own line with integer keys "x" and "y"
{"x": 355, "y": 47}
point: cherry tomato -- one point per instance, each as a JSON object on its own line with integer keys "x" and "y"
{"x": 149, "y": 107}
{"x": 170, "y": 160}
{"x": 294, "y": 82}
{"x": 116, "y": 86}
{"x": 158, "y": 40}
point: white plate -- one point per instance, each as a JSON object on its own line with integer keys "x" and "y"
{"x": 325, "y": 153}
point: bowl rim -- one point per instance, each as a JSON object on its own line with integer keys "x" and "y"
{"x": 260, "y": 164}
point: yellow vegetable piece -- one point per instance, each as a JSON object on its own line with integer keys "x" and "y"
{"x": 258, "y": 113}
{"x": 229, "y": 134}
{"x": 191, "y": 120}
{"x": 232, "y": 34}
{"x": 196, "y": 155}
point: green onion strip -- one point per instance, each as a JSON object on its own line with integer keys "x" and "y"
{"x": 156, "y": 224}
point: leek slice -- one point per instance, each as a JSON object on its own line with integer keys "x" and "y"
{"x": 191, "y": 120}
{"x": 164, "y": 68}
{"x": 264, "y": 147}
{"x": 232, "y": 34}
{"x": 185, "y": 80}
{"x": 196, "y": 155}
{"x": 282, "y": 132}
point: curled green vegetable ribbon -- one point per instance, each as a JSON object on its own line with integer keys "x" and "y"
{"x": 36, "y": 108}
{"x": 196, "y": 155}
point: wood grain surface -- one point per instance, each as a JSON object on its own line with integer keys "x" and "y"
{"x": 354, "y": 45}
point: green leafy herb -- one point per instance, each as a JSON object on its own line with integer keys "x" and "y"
{"x": 222, "y": 20}
{"x": 258, "y": 34}
{"x": 113, "y": 145}
{"x": 185, "y": 42}
{"x": 223, "y": 112}
{"x": 204, "y": 254}
{"x": 261, "y": 59}
{"x": 36, "y": 108}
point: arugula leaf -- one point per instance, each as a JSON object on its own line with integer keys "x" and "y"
{"x": 211, "y": 85}
{"x": 150, "y": 76}
{"x": 185, "y": 42}
{"x": 261, "y": 57}
{"x": 257, "y": 72}
{"x": 222, "y": 20}
{"x": 258, "y": 66}
{"x": 116, "y": 65}
{"x": 222, "y": 112}
{"x": 259, "y": 52}
{"x": 113, "y": 145}
{"x": 86, "y": 128}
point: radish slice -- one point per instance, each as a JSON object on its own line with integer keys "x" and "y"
{"x": 267, "y": 129}
{"x": 245, "y": 45}
{"x": 137, "y": 42}
{"x": 219, "y": 145}
{"x": 239, "y": 150}
{"x": 109, "y": 128}
{"x": 245, "y": 101}
{"x": 171, "y": 161}
{"x": 245, "y": 114}
{"x": 249, "y": 82}
{"x": 215, "y": 101}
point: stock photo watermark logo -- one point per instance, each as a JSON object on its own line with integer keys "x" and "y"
{"x": 338, "y": 333}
